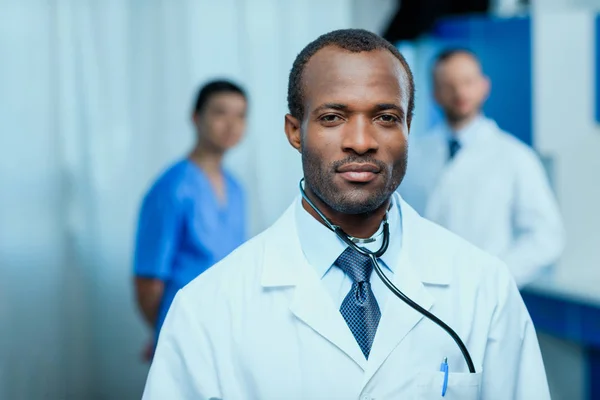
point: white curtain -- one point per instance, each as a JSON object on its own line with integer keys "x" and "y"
{"x": 95, "y": 99}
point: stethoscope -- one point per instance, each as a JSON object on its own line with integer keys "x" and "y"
{"x": 373, "y": 256}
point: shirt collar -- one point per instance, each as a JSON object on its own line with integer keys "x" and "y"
{"x": 322, "y": 247}
{"x": 468, "y": 133}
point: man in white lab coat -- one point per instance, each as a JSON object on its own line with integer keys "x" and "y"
{"x": 297, "y": 313}
{"x": 480, "y": 182}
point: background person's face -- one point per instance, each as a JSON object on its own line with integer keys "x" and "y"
{"x": 354, "y": 134}
{"x": 222, "y": 122}
{"x": 460, "y": 87}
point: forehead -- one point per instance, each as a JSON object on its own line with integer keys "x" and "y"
{"x": 461, "y": 64}
{"x": 231, "y": 99}
{"x": 337, "y": 75}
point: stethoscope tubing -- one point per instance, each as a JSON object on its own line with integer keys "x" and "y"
{"x": 388, "y": 283}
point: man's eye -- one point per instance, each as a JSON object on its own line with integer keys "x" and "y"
{"x": 330, "y": 118}
{"x": 388, "y": 118}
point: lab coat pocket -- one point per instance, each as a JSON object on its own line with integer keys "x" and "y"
{"x": 463, "y": 386}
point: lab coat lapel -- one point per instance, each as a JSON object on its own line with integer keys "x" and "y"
{"x": 452, "y": 177}
{"x": 459, "y": 174}
{"x": 415, "y": 266}
{"x": 315, "y": 307}
{"x": 398, "y": 319}
{"x": 286, "y": 265}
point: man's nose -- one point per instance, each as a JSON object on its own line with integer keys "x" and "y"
{"x": 359, "y": 136}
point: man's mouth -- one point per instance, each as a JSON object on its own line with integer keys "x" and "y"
{"x": 359, "y": 172}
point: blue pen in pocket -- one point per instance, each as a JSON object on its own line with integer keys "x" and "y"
{"x": 444, "y": 369}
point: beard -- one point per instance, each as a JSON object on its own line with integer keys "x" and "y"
{"x": 361, "y": 198}
{"x": 453, "y": 115}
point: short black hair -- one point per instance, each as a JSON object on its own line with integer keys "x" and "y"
{"x": 447, "y": 54}
{"x": 215, "y": 87}
{"x": 353, "y": 40}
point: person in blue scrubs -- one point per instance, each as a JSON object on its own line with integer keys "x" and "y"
{"x": 194, "y": 214}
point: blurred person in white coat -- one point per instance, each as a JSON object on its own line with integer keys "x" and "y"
{"x": 297, "y": 312}
{"x": 480, "y": 182}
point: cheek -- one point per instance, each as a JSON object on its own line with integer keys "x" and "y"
{"x": 311, "y": 153}
{"x": 238, "y": 130}
{"x": 220, "y": 125}
{"x": 449, "y": 99}
{"x": 445, "y": 93}
{"x": 314, "y": 155}
{"x": 324, "y": 142}
{"x": 471, "y": 91}
{"x": 214, "y": 127}
{"x": 398, "y": 150}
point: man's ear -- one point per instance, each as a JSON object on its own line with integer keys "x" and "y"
{"x": 487, "y": 87}
{"x": 293, "y": 132}
{"x": 195, "y": 119}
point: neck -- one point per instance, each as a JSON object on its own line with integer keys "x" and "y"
{"x": 360, "y": 226}
{"x": 209, "y": 161}
{"x": 459, "y": 123}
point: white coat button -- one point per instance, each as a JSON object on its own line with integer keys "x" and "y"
{"x": 366, "y": 396}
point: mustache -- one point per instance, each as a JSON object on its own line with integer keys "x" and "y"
{"x": 358, "y": 160}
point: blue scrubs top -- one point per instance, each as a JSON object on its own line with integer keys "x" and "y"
{"x": 183, "y": 229}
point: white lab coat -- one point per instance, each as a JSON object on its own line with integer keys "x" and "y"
{"x": 494, "y": 193}
{"x": 260, "y": 325}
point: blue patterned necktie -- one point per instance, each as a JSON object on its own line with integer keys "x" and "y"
{"x": 359, "y": 308}
{"x": 453, "y": 147}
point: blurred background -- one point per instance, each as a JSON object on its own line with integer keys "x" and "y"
{"x": 95, "y": 99}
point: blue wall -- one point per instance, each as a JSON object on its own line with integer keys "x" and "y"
{"x": 504, "y": 47}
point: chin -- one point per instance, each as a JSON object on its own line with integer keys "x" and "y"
{"x": 459, "y": 115}
{"x": 224, "y": 147}
{"x": 356, "y": 201}
{"x": 358, "y": 208}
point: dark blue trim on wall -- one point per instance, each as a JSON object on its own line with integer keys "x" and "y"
{"x": 504, "y": 48}
{"x": 570, "y": 320}
{"x": 593, "y": 375}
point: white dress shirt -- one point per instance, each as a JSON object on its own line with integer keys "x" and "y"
{"x": 322, "y": 247}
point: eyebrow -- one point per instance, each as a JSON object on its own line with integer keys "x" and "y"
{"x": 344, "y": 107}
{"x": 390, "y": 106}
{"x": 330, "y": 106}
